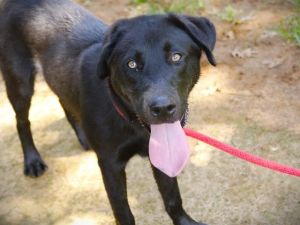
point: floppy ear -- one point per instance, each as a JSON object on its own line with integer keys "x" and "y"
{"x": 111, "y": 37}
{"x": 200, "y": 29}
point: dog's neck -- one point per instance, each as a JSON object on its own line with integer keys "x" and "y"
{"x": 127, "y": 114}
{"x": 122, "y": 109}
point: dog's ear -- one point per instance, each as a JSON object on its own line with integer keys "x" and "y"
{"x": 111, "y": 37}
{"x": 200, "y": 29}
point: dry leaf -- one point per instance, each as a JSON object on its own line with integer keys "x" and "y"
{"x": 229, "y": 35}
{"x": 247, "y": 18}
{"x": 267, "y": 34}
{"x": 243, "y": 53}
{"x": 272, "y": 63}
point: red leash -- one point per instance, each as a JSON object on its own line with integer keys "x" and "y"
{"x": 230, "y": 149}
{"x": 242, "y": 155}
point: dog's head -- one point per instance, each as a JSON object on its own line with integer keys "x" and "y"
{"x": 153, "y": 62}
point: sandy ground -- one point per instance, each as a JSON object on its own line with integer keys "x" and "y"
{"x": 250, "y": 100}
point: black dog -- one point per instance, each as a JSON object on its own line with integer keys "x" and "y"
{"x": 114, "y": 83}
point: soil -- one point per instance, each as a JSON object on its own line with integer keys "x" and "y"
{"x": 250, "y": 100}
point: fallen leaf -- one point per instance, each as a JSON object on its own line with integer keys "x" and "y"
{"x": 245, "y": 19}
{"x": 272, "y": 63}
{"x": 228, "y": 35}
{"x": 267, "y": 34}
{"x": 243, "y": 53}
{"x": 274, "y": 148}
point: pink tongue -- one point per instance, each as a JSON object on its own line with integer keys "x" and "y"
{"x": 168, "y": 148}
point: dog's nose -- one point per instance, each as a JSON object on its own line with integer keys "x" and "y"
{"x": 162, "y": 106}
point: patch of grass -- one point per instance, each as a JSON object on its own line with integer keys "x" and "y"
{"x": 289, "y": 28}
{"x": 296, "y": 3}
{"x": 139, "y": 1}
{"x": 176, "y": 6}
{"x": 229, "y": 14}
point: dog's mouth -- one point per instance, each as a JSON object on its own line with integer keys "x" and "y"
{"x": 168, "y": 148}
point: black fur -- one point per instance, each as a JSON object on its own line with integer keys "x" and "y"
{"x": 85, "y": 63}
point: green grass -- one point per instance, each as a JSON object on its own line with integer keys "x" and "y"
{"x": 176, "y": 6}
{"x": 296, "y": 3}
{"x": 139, "y": 1}
{"x": 289, "y": 28}
{"x": 229, "y": 14}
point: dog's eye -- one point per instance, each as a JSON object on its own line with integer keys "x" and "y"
{"x": 132, "y": 64}
{"x": 176, "y": 57}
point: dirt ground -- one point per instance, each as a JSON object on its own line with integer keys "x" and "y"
{"x": 250, "y": 100}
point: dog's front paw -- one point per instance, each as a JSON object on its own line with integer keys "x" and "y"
{"x": 34, "y": 167}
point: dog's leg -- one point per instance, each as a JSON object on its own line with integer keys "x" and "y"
{"x": 170, "y": 193}
{"x": 114, "y": 178}
{"x": 77, "y": 128}
{"x": 18, "y": 71}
